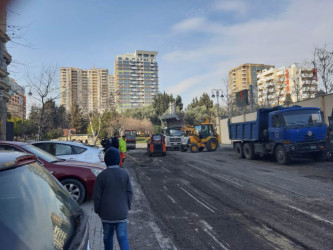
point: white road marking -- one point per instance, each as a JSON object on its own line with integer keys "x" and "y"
{"x": 207, "y": 228}
{"x": 188, "y": 174}
{"x": 218, "y": 176}
{"x": 165, "y": 188}
{"x": 173, "y": 201}
{"x": 317, "y": 217}
{"x": 197, "y": 200}
{"x": 165, "y": 243}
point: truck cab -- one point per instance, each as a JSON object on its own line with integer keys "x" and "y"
{"x": 173, "y": 138}
{"x": 300, "y": 130}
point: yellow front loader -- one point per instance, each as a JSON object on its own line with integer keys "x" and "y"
{"x": 201, "y": 136}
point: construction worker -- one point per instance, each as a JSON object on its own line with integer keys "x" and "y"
{"x": 122, "y": 149}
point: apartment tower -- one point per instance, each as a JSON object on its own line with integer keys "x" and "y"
{"x": 136, "y": 79}
{"x": 275, "y": 85}
{"x": 87, "y": 88}
{"x": 242, "y": 76}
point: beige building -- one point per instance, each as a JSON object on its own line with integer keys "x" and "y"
{"x": 16, "y": 105}
{"x": 88, "y": 88}
{"x": 136, "y": 79}
{"x": 5, "y": 59}
{"x": 286, "y": 84}
{"x": 242, "y": 76}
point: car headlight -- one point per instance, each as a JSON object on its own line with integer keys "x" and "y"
{"x": 95, "y": 171}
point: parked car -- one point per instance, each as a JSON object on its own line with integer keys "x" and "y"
{"x": 72, "y": 151}
{"x": 36, "y": 211}
{"x": 76, "y": 176}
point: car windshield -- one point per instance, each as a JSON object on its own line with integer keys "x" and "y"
{"x": 27, "y": 224}
{"x": 174, "y": 132}
{"x": 302, "y": 118}
{"x": 41, "y": 153}
{"x": 157, "y": 137}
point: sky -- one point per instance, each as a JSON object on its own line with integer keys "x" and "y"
{"x": 198, "y": 41}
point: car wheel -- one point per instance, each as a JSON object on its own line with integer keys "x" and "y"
{"x": 75, "y": 188}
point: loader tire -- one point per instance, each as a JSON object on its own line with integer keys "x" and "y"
{"x": 194, "y": 148}
{"x": 211, "y": 145}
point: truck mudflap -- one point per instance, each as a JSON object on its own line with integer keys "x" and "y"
{"x": 303, "y": 148}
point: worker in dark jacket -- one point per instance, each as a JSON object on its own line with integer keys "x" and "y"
{"x": 114, "y": 141}
{"x": 112, "y": 199}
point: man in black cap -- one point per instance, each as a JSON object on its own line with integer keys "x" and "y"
{"x": 112, "y": 199}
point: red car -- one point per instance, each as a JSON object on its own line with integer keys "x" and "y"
{"x": 77, "y": 177}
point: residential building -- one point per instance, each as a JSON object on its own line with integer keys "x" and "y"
{"x": 136, "y": 79}
{"x": 242, "y": 76}
{"x": 87, "y": 88}
{"x": 5, "y": 59}
{"x": 275, "y": 85}
{"x": 16, "y": 105}
{"x": 112, "y": 89}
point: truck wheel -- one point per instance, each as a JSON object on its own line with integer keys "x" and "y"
{"x": 211, "y": 145}
{"x": 194, "y": 148}
{"x": 248, "y": 151}
{"x": 281, "y": 155}
{"x": 239, "y": 150}
{"x": 319, "y": 156}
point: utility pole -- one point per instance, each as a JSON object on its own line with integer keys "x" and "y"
{"x": 218, "y": 93}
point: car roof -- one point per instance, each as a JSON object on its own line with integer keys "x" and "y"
{"x": 19, "y": 143}
{"x": 64, "y": 142}
{"x": 9, "y": 159}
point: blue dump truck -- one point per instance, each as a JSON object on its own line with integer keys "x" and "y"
{"x": 284, "y": 132}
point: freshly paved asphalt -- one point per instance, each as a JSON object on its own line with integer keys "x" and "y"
{"x": 213, "y": 200}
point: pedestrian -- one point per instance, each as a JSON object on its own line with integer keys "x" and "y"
{"x": 112, "y": 200}
{"x": 105, "y": 143}
{"x": 86, "y": 142}
{"x": 114, "y": 141}
{"x": 122, "y": 149}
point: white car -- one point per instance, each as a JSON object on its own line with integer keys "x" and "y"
{"x": 72, "y": 151}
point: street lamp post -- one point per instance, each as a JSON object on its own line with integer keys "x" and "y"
{"x": 218, "y": 93}
{"x": 24, "y": 113}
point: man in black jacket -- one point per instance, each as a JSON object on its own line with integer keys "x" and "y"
{"x": 112, "y": 199}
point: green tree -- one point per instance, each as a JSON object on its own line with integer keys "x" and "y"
{"x": 205, "y": 101}
{"x": 179, "y": 103}
{"x": 77, "y": 120}
{"x": 161, "y": 102}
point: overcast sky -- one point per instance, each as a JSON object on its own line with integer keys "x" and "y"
{"x": 198, "y": 41}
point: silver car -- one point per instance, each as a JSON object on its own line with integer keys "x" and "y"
{"x": 72, "y": 151}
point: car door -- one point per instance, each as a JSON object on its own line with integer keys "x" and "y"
{"x": 64, "y": 151}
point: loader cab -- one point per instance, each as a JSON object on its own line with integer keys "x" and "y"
{"x": 205, "y": 130}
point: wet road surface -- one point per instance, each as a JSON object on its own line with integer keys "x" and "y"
{"x": 214, "y": 200}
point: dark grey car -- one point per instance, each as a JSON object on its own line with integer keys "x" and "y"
{"x": 36, "y": 211}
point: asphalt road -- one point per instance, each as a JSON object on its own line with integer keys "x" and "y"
{"x": 214, "y": 200}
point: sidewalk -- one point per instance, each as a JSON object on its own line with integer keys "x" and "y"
{"x": 143, "y": 231}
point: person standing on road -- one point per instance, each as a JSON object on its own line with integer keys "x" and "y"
{"x": 114, "y": 141}
{"x": 122, "y": 149}
{"x": 105, "y": 143}
{"x": 112, "y": 200}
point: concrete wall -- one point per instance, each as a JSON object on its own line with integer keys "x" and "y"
{"x": 325, "y": 103}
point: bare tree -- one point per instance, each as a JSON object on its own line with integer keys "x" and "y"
{"x": 323, "y": 63}
{"x": 230, "y": 106}
{"x": 44, "y": 88}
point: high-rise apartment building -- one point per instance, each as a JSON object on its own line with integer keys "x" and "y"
{"x": 275, "y": 85}
{"x": 112, "y": 89}
{"x": 242, "y": 76}
{"x": 136, "y": 79}
{"x": 88, "y": 88}
{"x": 16, "y": 105}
